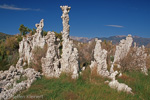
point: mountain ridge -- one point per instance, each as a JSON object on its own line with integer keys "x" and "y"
{"x": 4, "y": 35}
{"x": 115, "y": 39}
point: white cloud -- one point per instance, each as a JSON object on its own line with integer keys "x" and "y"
{"x": 119, "y": 26}
{"x": 12, "y": 7}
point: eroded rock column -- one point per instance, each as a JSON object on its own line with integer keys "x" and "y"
{"x": 100, "y": 56}
{"x": 123, "y": 48}
{"x": 28, "y": 43}
{"x": 38, "y": 39}
{"x": 51, "y": 64}
{"x": 69, "y": 61}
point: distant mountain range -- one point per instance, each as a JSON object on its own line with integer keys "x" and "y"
{"x": 116, "y": 39}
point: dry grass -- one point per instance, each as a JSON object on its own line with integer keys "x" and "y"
{"x": 127, "y": 78}
{"x": 70, "y": 95}
{"x": 148, "y": 62}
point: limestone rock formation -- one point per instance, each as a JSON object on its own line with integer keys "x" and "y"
{"x": 119, "y": 86}
{"x": 9, "y": 79}
{"x": 100, "y": 56}
{"x": 30, "y": 42}
{"x": 14, "y": 80}
{"x": 123, "y": 48}
{"x": 25, "y": 47}
{"x": 69, "y": 61}
{"x": 65, "y": 21}
{"x": 139, "y": 58}
{"x": 51, "y": 63}
{"x": 38, "y": 39}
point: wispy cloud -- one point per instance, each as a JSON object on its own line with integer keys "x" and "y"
{"x": 118, "y": 26}
{"x": 12, "y": 7}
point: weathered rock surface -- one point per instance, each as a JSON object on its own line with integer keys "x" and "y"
{"x": 139, "y": 58}
{"x": 38, "y": 39}
{"x": 28, "y": 43}
{"x": 119, "y": 86}
{"x": 100, "y": 56}
{"x": 69, "y": 61}
{"x": 51, "y": 63}
{"x": 14, "y": 80}
{"x": 123, "y": 48}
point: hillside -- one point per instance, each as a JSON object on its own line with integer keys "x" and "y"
{"x": 3, "y": 35}
{"x": 115, "y": 39}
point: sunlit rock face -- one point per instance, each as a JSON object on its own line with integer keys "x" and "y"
{"x": 139, "y": 60}
{"x": 38, "y": 39}
{"x": 30, "y": 42}
{"x": 25, "y": 47}
{"x": 100, "y": 56}
{"x": 69, "y": 61}
{"x": 51, "y": 63}
{"x": 65, "y": 21}
{"x": 54, "y": 63}
{"x": 8, "y": 79}
{"x": 15, "y": 80}
{"x": 118, "y": 86}
{"x": 123, "y": 48}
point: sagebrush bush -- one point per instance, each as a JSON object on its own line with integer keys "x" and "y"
{"x": 133, "y": 62}
{"x": 85, "y": 52}
{"x": 38, "y": 53}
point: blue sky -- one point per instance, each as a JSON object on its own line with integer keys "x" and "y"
{"x": 88, "y": 18}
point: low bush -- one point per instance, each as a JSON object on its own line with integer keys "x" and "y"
{"x": 38, "y": 53}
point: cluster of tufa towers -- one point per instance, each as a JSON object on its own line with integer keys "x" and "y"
{"x": 65, "y": 60}
{"x": 54, "y": 63}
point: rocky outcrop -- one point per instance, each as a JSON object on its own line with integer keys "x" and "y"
{"x": 100, "y": 56}
{"x": 51, "y": 63}
{"x": 54, "y": 63}
{"x": 123, "y": 48}
{"x": 119, "y": 86}
{"x": 38, "y": 39}
{"x": 139, "y": 58}
{"x": 28, "y": 43}
{"x": 15, "y": 80}
{"x": 69, "y": 60}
